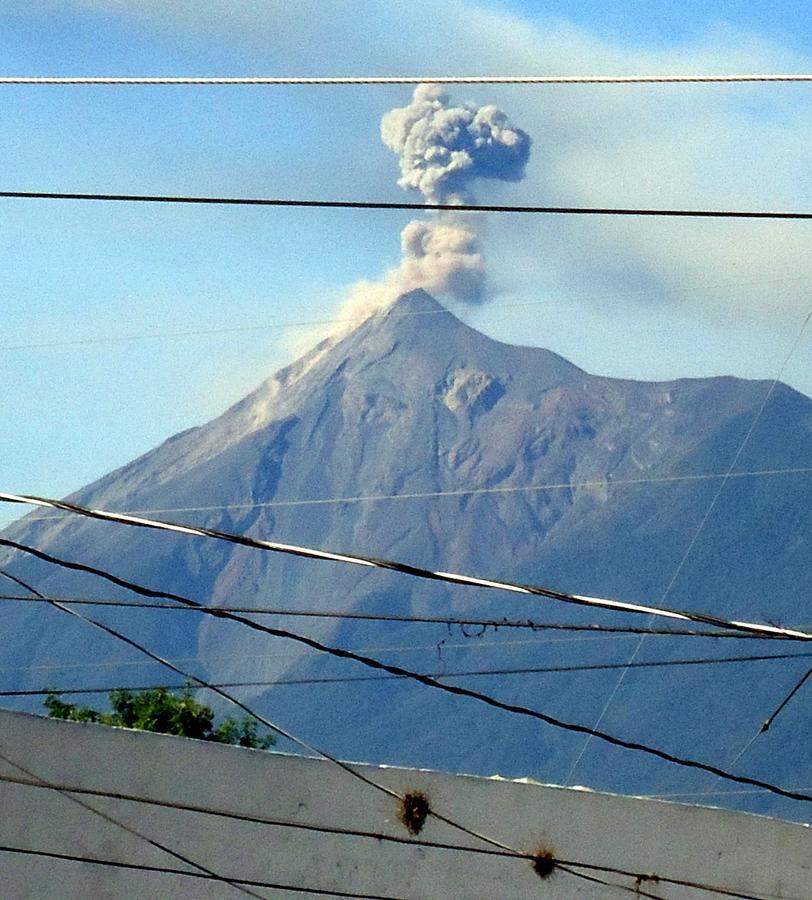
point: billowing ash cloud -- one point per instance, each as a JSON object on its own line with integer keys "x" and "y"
{"x": 443, "y": 258}
{"x": 442, "y": 148}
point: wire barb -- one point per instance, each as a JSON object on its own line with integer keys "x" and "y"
{"x": 461, "y": 622}
{"x": 395, "y": 566}
{"x": 378, "y": 665}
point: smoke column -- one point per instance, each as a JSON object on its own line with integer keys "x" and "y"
{"x": 442, "y": 150}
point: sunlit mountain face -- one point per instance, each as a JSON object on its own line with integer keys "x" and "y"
{"x": 417, "y": 438}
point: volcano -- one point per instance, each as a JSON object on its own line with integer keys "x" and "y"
{"x": 417, "y": 438}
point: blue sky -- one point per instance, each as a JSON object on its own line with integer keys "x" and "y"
{"x": 627, "y": 298}
{"x": 661, "y": 23}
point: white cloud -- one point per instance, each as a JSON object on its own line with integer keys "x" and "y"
{"x": 700, "y": 146}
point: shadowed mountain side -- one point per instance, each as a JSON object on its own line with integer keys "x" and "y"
{"x": 414, "y": 402}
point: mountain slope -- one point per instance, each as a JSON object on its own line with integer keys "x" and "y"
{"x": 416, "y": 404}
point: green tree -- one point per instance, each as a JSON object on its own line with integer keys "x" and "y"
{"x": 166, "y": 712}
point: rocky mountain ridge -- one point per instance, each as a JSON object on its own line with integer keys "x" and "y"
{"x": 415, "y": 437}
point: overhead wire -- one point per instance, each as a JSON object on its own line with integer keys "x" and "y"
{"x": 119, "y": 824}
{"x": 636, "y": 890}
{"x": 450, "y": 621}
{"x": 370, "y": 662}
{"x": 398, "y": 205}
{"x": 467, "y": 645}
{"x": 466, "y": 673}
{"x": 455, "y": 492}
{"x": 392, "y": 565}
{"x": 129, "y": 829}
{"x": 767, "y": 723}
{"x": 772, "y": 717}
{"x": 652, "y": 878}
{"x": 699, "y": 529}
{"x": 389, "y": 314}
{"x": 230, "y": 698}
{"x": 712, "y": 793}
{"x": 165, "y": 870}
{"x": 402, "y": 79}
{"x": 639, "y": 877}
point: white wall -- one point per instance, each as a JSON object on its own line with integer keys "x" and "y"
{"x": 739, "y": 852}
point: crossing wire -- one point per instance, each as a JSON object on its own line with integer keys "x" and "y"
{"x": 771, "y": 718}
{"x": 395, "y": 566}
{"x": 127, "y": 828}
{"x": 384, "y": 205}
{"x": 378, "y": 665}
{"x": 400, "y": 79}
{"x": 468, "y": 673}
{"x": 378, "y": 837}
{"x": 388, "y": 314}
{"x": 450, "y": 621}
{"x": 767, "y": 723}
{"x": 457, "y": 492}
{"x": 164, "y": 870}
{"x": 113, "y": 821}
{"x": 263, "y": 720}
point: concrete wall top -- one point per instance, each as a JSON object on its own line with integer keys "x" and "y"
{"x": 743, "y": 854}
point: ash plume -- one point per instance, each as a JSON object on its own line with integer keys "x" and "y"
{"x": 442, "y": 149}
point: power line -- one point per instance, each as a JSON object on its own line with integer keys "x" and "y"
{"x": 378, "y": 665}
{"x": 703, "y": 521}
{"x": 461, "y": 492}
{"x": 391, "y": 565}
{"x": 311, "y": 323}
{"x": 767, "y": 723}
{"x": 164, "y": 870}
{"x": 113, "y": 821}
{"x": 771, "y": 718}
{"x": 287, "y": 824}
{"x": 127, "y": 828}
{"x": 400, "y": 79}
{"x": 423, "y": 843}
{"x": 650, "y": 878}
{"x": 237, "y": 816}
{"x": 461, "y": 622}
{"x": 740, "y": 793}
{"x": 467, "y": 645}
{"x": 381, "y": 205}
{"x": 466, "y": 673}
{"x": 622, "y": 887}
{"x": 263, "y": 720}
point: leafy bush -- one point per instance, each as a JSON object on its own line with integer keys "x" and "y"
{"x": 165, "y": 711}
